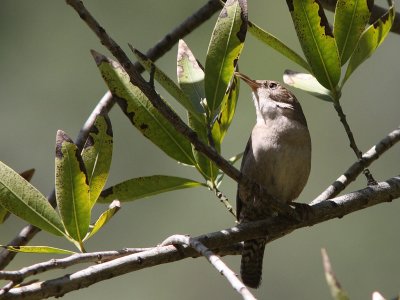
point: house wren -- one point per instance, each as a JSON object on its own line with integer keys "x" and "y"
{"x": 277, "y": 157}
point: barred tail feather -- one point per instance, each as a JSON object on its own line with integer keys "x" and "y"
{"x": 252, "y": 261}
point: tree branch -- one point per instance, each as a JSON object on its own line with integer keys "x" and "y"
{"x": 107, "y": 102}
{"x": 272, "y": 228}
{"x": 213, "y": 259}
{"x": 357, "y": 168}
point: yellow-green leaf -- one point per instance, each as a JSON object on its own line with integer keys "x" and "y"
{"x": 351, "y": 17}
{"x": 72, "y": 189}
{"x": 142, "y": 187}
{"x": 142, "y": 113}
{"x": 38, "y": 249}
{"x": 370, "y": 40}
{"x": 97, "y": 154}
{"x": 225, "y": 47}
{"x": 22, "y": 199}
{"x": 277, "y": 45}
{"x": 104, "y": 218}
{"x": 316, "y": 40}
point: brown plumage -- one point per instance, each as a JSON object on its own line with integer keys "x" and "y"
{"x": 278, "y": 157}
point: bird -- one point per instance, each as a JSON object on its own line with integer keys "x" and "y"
{"x": 277, "y": 157}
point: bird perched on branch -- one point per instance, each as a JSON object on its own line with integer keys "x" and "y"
{"x": 277, "y": 157}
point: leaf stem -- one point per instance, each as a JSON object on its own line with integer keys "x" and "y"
{"x": 353, "y": 145}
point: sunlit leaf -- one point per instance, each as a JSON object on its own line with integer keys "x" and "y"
{"x": 38, "y": 249}
{"x": 23, "y": 200}
{"x": 97, "y": 154}
{"x": 190, "y": 76}
{"x": 142, "y": 113}
{"x": 277, "y": 45}
{"x": 351, "y": 17}
{"x": 307, "y": 83}
{"x": 370, "y": 40}
{"x": 316, "y": 40}
{"x": 104, "y": 218}
{"x": 225, "y": 46}
{"x": 72, "y": 189}
{"x": 142, "y": 187}
{"x": 232, "y": 161}
{"x": 191, "y": 80}
{"x": 169, "y": 85}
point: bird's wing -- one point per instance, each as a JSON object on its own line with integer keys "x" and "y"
{"x": 238, "y": 200}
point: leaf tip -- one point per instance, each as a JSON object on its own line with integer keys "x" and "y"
{"x": 98, "y": 58}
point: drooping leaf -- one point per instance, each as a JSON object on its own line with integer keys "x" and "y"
{"x": 351, "y": 17}
{"x": 370, "y": 40}
{"x": 225, "y": 116}
{"x": 316, "y": 40}
{"x": 142, "y": 187}
{"x": 277, "y": 45}
{"x": 38, "y": 249}
{"x": 97, "y": 154}
{"x": 104, "y": 218}
{"x": 190, "y": 76}
{"x": 225, "y": 46}
{"x": 168, "y": 84}
{"x": 142, "y": 113}
{"x": 72, "y": 189}
{"x": 307, "y": 83}
{"x": 4, "y": 213}
{"x": 22, "y": 199}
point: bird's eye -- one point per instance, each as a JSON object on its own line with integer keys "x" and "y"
{"x": 272, "y": 85}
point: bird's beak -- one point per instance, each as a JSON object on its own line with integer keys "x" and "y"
{"x": 252, "y": 83}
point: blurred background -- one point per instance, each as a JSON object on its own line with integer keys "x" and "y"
{"x": 49, "y": 81}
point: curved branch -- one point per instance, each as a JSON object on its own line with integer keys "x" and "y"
{"x": 273, "y": 228}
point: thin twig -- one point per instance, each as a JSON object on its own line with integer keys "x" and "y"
{"x": 213, "y": 259}
{"x": 107, "y": 102}
{"x": 353, "y": 145}
{"x": 357, "y": 168}
{"x": 272, "y": 227}
{"x": 224, "y": 200}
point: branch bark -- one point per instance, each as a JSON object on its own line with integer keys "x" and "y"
{"x": 272, "y": 228}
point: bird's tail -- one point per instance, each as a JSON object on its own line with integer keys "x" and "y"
{"x": 252, "y": 261}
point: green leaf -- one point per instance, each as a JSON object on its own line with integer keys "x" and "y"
{"x": 370, "y": 40}
{"x": 72, "y": 189}
{"x": 307, "y": 83}
{"x": 277, "y": 45}
{"x": 316, "y": 40}
{"x": 168, "y": 84}
{"x": 351, "y": 17}
{"x": 205, "y": 166}
{"x": 4, "y": 213}
{"x": 23, "y": 200}
{"x": 190, "y": 76}
{"x": 142, "y": 113}
{"x": 142, "y": 187}
{"x": 38, "y": 249}
{"x": 225, "y": 116}
{"x": 97, "y": 154}
{"x": 104, "y": 218}
{"x": 225, "y": 46}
